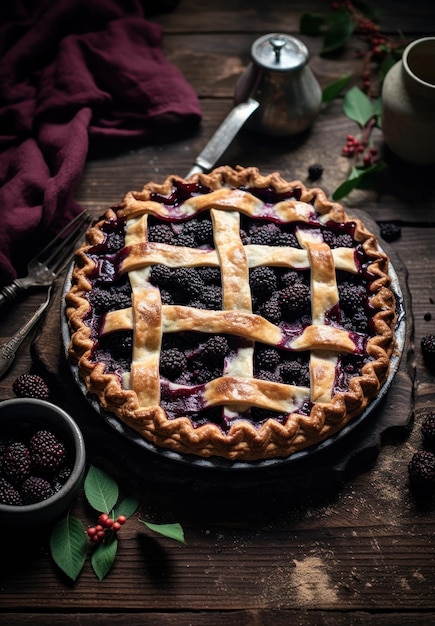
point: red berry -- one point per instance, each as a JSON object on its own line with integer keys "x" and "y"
{"x": 108, "y": 522}
{"x": 98, "y": 527}
{"x": 121, "y": 519}
{"x": 95, "y": 538}
{"x": 116, "y": 526}
{"x": 103, "y": 517}
{"x": 92, "y": 531}
{"x": 100, "y": 533}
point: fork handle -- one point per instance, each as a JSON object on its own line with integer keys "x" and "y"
{"x": 9, "y": 293}
{"x": 8, "y": 350}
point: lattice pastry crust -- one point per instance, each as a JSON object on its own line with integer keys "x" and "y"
{"x": 262, "y": 416}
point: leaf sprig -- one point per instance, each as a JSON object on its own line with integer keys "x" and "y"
{"x": 367, "y": 114}
{"x": 68, "y": 544}
{"x": 360, "y": 104}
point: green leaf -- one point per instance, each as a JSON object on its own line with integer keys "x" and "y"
{"x": 357, "y": 178}
{"x": 68, "y": 546}
{"x": 311, "y": 24}
{"x": 103, "y": 557}
{"x": 101, "y": 490}
{"x": 127, "y": 507}
{"x": 173, "y": 531}
{"x": 357, "y": 106}
{"x": 340, "y": 27}
{"x": 333, "y": 90}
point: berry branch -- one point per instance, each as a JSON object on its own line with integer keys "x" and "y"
{"x": 354, "y": 18}
{"x": 68, "y": 538}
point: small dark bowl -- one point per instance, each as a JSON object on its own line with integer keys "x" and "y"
{"x": 43, "y": 414}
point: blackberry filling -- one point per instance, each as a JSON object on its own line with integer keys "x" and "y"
{"x": 280, "y": 295}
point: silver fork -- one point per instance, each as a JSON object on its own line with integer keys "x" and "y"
{"x": 9, "y": 349}
{"x": 48, "y": 263}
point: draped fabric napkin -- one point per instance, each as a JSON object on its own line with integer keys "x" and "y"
{"x": 74, "y": 72}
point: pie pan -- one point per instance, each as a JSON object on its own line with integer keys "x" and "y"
{"x": 218, "y": 463}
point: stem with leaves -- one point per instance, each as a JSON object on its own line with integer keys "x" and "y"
{"x": 68, "y": 543}
{"x": 349, "y": 18}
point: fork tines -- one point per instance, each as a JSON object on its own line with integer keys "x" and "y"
{"x": 61, "y": 247}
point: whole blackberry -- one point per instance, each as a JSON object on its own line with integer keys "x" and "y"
{"x": 295, "y": 299}
{"x": 161, "y": 275}
{"x": 16, "y": 462}
{"x": 172, "y": 362}
{"x": 390, "y": 231}
{"x": 114, "y": 242}
{"x": 185, "y": 240}
{"x": 428, "y": 429}
{"x": 290, "y": 277}
{"x": 428, "y": 350}
{"x": 337, "y": 240}
{"x": 101, "y": 300}
{"x": 267, "y": 358}
{"x": 265, "y": 235}
{"x": 271, "y": 310}
{"x": 351, "y": 296}
{"x": 210, "y": 275}
{"x": 35, "y": 489}
{"x": 201, "y": 229}
{"x": 289, "y": 240}
{"x": 60, "y": 478}
{"x": 264, "y": 374}
{"x": 263, "y": 280}
{"x": 188, "y": 279}
{"x": 122, "y": 298}
{"x": 421, "y": 469}
{"x": 211, "y": 297}
{"x": 161, "y": 233}
{"x": 119, "y": 342}
{"x": 215, "y": 348}
{"x": 166, "y": 297}
{"x": 295, "y": 372}
{"x": 47, "y": 453}
{"x": 31, "y": 386}
{"x": 205, "y": 374}
{"x": 289, "y": 371}
{"x": 315, "y": 171}
{"x": 8, "y": 493}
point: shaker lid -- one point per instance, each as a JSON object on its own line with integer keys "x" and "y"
{"x": 279, "y": 52}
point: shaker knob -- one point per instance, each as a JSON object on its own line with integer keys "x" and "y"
{"x": 277, "y": 44}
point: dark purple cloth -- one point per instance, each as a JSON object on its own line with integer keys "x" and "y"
{"x": 74, "y": 73}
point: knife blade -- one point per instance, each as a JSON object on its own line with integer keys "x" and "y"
{"x": 223, "y": 136}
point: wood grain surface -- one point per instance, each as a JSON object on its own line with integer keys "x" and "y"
{"x": 333, "y": 543}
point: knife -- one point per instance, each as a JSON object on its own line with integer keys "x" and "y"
{"x": 224, "y": 135}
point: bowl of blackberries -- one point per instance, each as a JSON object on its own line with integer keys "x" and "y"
{"x": 42, "y": 461}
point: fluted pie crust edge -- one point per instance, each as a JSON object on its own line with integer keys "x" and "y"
{"x": 138, "y": 407}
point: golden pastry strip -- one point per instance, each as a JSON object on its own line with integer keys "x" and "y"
{"x": 224, "y": 199}
{"x": 239, "y": 391}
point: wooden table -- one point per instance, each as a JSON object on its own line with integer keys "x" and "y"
{"x": 260, "y": 549}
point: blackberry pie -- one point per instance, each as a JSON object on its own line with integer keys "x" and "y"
{"x": 231, "y": 314}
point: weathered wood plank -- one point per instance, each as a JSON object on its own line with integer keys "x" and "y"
{"x": 276, "y": 617}
{"x": 194, "y": 16}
